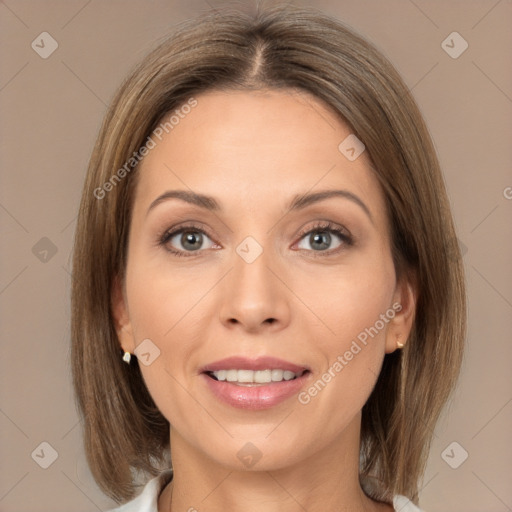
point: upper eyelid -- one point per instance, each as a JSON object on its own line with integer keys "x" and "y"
{"x": 329, "y": 225}
{"x": 172, "y": 232}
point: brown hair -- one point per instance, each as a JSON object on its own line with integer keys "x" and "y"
{"x": 281, "y": 47}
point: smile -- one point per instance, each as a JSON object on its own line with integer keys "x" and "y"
{"x": 254, "y": 384}
{"x": 251, "y": 377}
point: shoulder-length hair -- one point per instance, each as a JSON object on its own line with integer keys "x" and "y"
{"x": 282, "y": 47}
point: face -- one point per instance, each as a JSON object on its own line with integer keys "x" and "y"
{"x": 261, "y": 315}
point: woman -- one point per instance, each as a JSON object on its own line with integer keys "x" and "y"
{"x": 267, "y": 295}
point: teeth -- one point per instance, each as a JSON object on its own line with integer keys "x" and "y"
{"x": 255, "y": 377}
{"x": 231, "y": 375}
{"x": 262, "y": 376}
{"x": 221, "y": 374}
{"x": 277, "y": 375}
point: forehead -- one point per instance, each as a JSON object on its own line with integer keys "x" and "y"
{"x": 254, "y": 148}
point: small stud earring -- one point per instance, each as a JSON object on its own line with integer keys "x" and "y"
{"x": 398, "y": 344}
{"x": 127, "y": 357}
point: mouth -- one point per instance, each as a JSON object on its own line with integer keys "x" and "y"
{"x": 254, "y": 377}
{"x": 254, "y": 384}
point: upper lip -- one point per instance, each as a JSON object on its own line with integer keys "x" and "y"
{"x": 260, "y": 363}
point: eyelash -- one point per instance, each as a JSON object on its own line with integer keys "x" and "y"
{"x": 329, "y": 227}
{"x": 168, "y": 235}
{"x": 321, "y": 227}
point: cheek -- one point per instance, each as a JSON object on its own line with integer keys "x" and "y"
{"x": 356, "y": 310}
{"x": 349, "y": 301}
{"x": 165, "y": 308}
{"x": 161, "y": 301}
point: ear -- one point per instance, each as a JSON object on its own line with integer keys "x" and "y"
{"x": 121, "y": 316}
{"x": 404, "y": 305}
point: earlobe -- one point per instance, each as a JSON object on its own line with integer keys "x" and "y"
{"x": 400, "y": 326}
{"x": 121, "y": 317}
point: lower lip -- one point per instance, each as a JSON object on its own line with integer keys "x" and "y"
{"x": 258, "y": 397}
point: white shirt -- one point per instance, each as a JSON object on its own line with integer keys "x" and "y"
{"x": 147, "y": 501}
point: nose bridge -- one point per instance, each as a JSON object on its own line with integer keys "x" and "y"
{"x": 251, "y": 267}
{"x": 252, "y": 293}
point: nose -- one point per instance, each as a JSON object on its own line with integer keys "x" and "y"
{"x": 254, "y": 295}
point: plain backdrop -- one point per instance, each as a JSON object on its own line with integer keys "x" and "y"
{"x": 51, "y": 112}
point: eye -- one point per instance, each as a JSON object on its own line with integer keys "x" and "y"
{"x": 186, "y": 239}
{"x": 320, "y": 238}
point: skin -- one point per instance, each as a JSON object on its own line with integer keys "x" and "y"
{"x": 254, "y": 151}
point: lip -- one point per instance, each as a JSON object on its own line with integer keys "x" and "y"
{"x": 257, "y": 397}
{"x": 260, "y": 363}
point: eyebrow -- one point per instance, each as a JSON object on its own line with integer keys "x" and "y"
{"x": 298, "y": 202}
{"x": 206, "y": 202}
{"x": 301, "y": 201}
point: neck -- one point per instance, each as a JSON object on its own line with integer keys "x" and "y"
{"x": 327, "y": 481}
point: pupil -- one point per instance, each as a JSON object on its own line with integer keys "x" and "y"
{"x": 318, "y": 238}
{"x": 191, "y": 240}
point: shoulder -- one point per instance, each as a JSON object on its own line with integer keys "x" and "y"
{"x": 147, "y": 500}
{"x": 403, "y": 504}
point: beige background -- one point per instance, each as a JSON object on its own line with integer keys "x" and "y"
{"x": 51, "y": 112}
